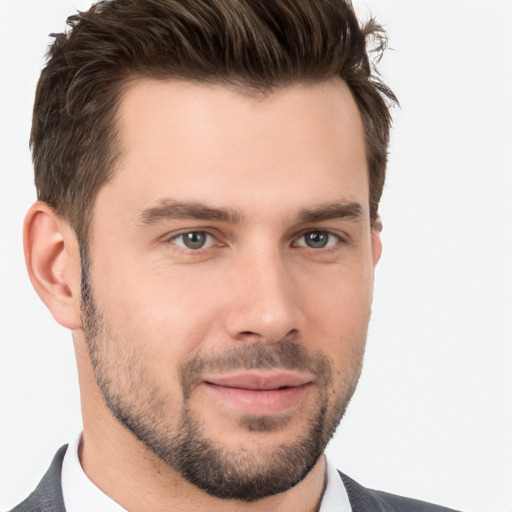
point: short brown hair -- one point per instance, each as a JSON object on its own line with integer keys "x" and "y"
{"x": 249, "y": 44}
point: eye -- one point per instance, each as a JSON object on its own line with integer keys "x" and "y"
{"x": 193, "y": 240}
{"x": 317, "y": 239}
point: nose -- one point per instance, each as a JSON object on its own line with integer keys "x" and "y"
{"x": 264, "y": 304}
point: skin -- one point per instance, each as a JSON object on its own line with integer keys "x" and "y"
{"x": 269, "y": 160}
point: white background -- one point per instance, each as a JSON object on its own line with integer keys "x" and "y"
{"x": 432, "y": 417}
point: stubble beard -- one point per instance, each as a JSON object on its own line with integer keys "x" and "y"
{"x": 141, "y": 407}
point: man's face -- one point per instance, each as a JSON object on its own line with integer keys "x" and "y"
{"x": 229, "y": 289}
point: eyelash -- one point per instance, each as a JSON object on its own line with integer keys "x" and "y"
{"x": 332, "y": 246}
{"x": 172, "y": 240}
{"x": 328, "y": 248}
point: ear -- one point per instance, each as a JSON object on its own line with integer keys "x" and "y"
{"x": 376, "y": 241}
{"x": 53, "y": 263}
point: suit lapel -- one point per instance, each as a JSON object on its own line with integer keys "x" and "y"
{"x": 362, "y": 499}
{"x": 47, "y": 496}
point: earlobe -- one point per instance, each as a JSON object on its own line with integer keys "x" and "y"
{"x": 53, "y": 263}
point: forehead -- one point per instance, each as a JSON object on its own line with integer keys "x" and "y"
{"x": 208, "y": 143}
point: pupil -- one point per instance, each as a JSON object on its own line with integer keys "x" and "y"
{"x": 194, "y": 240}
{"x": 316, "y": 239}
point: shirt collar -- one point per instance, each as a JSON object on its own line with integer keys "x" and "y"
{"x": 80, "y": 494}
{"x": 335, "y": 498}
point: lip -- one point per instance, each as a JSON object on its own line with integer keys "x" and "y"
{"x": 260, "y": 381}
{"x": 259, "y": 393}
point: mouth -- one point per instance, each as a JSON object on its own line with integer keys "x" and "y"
{"x": 261, "y": 393}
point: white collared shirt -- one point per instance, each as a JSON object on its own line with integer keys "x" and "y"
{"x": 81, "y": 495}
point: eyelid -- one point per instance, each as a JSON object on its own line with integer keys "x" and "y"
{"x": 339, "y": 238}
{"x": 171, "y": 238}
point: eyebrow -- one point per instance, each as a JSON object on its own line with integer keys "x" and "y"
{"x": 339, "y": 210}
{"x": 168, "y": 209}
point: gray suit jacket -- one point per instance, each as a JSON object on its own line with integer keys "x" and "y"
{"x": 47, "y": 496}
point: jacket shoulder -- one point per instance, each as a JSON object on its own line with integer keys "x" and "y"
{"x": 47, "y": 496}
{"x": 363, "y": 499}
{"x": 401, "y": 504}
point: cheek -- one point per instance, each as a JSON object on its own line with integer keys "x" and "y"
{"x": 340, "y": 298}
{"x": 337, "y": 315}
{"x": 166, "y": 315}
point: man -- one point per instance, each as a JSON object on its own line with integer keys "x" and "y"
{"x": 209, "y": 175}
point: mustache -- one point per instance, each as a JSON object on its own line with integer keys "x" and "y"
{"x": 286, "y": 355}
